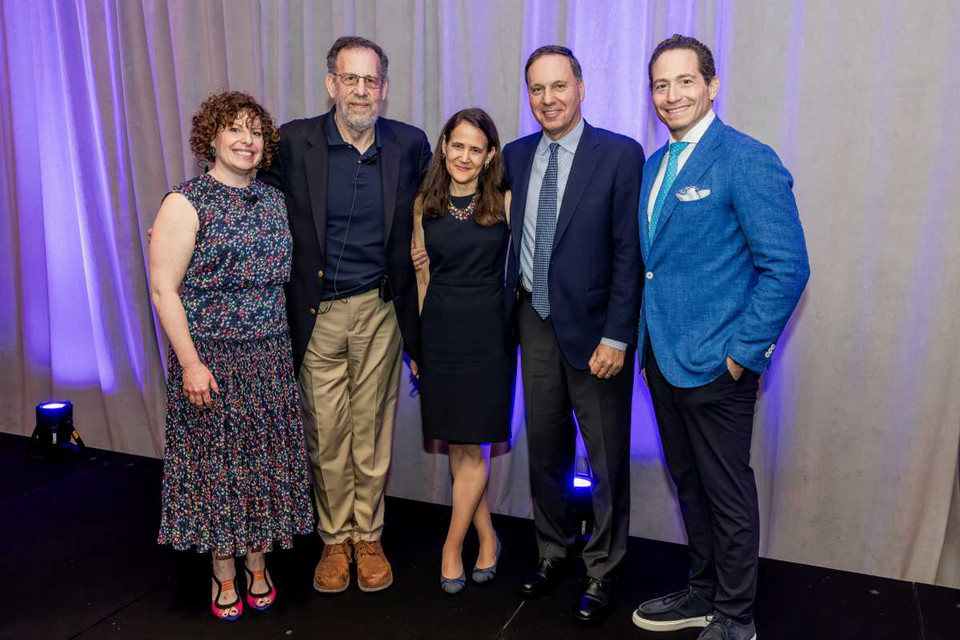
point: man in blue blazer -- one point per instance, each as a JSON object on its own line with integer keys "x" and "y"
{"x": 725, "y": 265}
{"x": 574, "y": 279}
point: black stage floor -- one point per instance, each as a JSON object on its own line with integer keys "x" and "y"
{"x": 79, "y": 560}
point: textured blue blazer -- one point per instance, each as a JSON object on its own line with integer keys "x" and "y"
{"x": 727, "y": 263}
{"x": 595, "y": 275}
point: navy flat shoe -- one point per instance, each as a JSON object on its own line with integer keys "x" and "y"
{"x": 453, "y": 586}
{"x": 486, "y": 575}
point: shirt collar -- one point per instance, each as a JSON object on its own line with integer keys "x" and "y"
{"x": 569, "y": 142}
{"x": 335, "y": 139}
{"x": 693, "y": 136}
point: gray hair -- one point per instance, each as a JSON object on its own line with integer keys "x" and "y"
{"x": 355, "y": 42}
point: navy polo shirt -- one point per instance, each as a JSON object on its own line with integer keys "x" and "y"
{"x": 355, "y": 252}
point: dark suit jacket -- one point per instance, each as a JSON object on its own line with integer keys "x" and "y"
{"x": 595, "y": 269}
{"x": 300, "y": 170}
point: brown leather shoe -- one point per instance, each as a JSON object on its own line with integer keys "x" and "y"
{"x": 332, "y": 574}
{"x": 373, "y": 569}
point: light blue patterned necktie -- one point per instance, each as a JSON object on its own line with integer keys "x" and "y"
{"x": 673, "y": 161}
{"x": 546, "y": 226}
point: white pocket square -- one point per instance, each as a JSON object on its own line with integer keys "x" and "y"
{"x": 689, "y": 194}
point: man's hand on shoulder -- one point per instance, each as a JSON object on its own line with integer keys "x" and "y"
{"x": 606, "y": 361}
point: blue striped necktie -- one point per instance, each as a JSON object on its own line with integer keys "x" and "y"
{"x": 546, "y": 226}
{"x": 673, "y": 161}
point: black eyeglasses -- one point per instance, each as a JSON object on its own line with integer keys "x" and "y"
{"x": 352, "y": 79}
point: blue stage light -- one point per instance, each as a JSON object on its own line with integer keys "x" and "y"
{"x": 54, "y": 434}
{"x": 580, "y": 508}
{"x": 581, "y": 481}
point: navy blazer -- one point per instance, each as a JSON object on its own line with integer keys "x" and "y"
{"x": 727, "y": 263}
{"x": 595, "y": 267}
{"x": 299, "y": 169}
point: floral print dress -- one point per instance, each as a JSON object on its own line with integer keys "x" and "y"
{"x": 236, "y": 474}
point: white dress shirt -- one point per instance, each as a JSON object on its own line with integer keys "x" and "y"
{"x": 693, "y": 137}
{"x": 566, "y": 152}
{"x": 568, "y": 148}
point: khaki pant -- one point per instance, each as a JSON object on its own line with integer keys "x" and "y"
{"x": 349, "y": 385}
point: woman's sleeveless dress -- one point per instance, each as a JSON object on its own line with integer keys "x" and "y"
{"x": 467, "y": 365}
{"x": 236, "y": 474}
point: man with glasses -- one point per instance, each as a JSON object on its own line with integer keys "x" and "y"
{"x": 349, "y": 178}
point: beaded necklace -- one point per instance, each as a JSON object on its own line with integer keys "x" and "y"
{"x": 462, "y": 213}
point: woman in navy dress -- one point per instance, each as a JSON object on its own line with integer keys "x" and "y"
{"x": 467, "y": 365}
{"x": 235, "y": 475}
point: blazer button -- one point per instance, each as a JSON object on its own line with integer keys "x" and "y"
{"x": 320, "y": 274}
{"x": 313, "y": 311}
{"x": 649, "y": 275}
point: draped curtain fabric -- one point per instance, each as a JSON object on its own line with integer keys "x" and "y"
{"x": 858, "y": 425}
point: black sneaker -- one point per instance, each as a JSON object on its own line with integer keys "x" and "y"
{"x": 681, "y": 610}
{"x": 724, "y": 628}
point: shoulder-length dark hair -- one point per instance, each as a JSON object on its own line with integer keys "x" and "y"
{"x": 435, "y": 188}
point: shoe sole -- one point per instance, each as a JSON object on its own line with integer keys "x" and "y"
{"x": 377, "y": 588}
{"x": 326, "y": 590}
{"x": 589, "y": 622}
{"x": 541, "y": 591}
{"x": 453, "y": 594}
{"x": 671, "y": 625}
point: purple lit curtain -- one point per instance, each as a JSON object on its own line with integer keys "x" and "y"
{"x": 858, "y": 427}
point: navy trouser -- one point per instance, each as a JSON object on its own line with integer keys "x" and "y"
{"x": 706, "y": 433}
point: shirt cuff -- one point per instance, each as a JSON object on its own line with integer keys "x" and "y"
{"x": 616, "y": 344}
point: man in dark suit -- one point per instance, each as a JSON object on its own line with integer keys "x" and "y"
{"x": 349, "y": 178}
{"x": 726, "y": 264}
{"x": 575, "y": 270}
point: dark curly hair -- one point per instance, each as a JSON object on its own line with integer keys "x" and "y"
{"x": 219, "y": 111}
{"x": 431, "y": 201}
{"x": 704, "y": 57}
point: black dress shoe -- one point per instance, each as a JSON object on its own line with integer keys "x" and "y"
{"x": 594, "y": 603}
{"x": 543, "y": 579}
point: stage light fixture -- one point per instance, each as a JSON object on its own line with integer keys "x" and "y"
{"x": 580, "y": 507}
{"x": 54, "y": 434}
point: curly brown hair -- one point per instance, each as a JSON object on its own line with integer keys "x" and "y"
{"x": 434, "y": 191}
{"x": 220, "y": 110}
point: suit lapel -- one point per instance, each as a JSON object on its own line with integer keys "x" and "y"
{"x": 584, "y": 162}
{"x": 704, "y": 154}
{"x": 650, "y": 169}
{"x": 315, "y": 167}
{"x": 518, "y": 202}
{"x": 389, "y": 178}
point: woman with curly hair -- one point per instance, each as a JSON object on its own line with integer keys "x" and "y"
{"x": 466, "y": 367}
{"x": 235, "y": 467}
